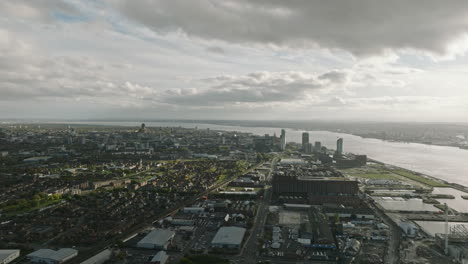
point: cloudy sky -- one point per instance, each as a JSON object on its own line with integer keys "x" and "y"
{"x": 377, "y": 60}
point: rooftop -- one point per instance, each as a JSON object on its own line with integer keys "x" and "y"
{"x": 5, "y": 253}
{"x": 58, "y": 255}
{"x": 229, "y": 235}
{"x": 102, "y": 256}
{"x": 161, "y": 256}
{"x": 157, "y": 236}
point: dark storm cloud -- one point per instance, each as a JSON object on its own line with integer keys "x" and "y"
{"x": 359, "y": 26}
{"x": 257, "y": 87}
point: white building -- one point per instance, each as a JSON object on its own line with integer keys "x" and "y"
{"x": 8, "y": 255}
{"x": 50, "y": 256}
{"x": 157, "y": 239}
{"x": 160, "y": 258}
{"x": 292, "y": 162}
{"x": 409, "y": 228}
{"x": 228, "y": 237}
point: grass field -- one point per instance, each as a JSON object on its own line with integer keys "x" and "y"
{"x": 378, "y": 171}
{"x": 29, "y": 209}
{"x": 420, "y": 179}
{"x": 442, "y": 207}
{"x": 377, "y": 176}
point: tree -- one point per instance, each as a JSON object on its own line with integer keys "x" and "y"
{"x": 121, "y": 255}
{"x": 337, "y": 218}
{"x": 185, "y": 261}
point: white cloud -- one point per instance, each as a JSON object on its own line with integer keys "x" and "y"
{"x": 241, "y": 58}
{"x": 361, "y": 26}
{"x": 43, "y": 10}
{"x": 258, "y": 88}
{"x": 26, "y": 74}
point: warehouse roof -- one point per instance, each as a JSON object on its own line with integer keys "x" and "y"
{"x": 99, "y": 258}
{"x": 161, "y": 257}
{"x": 229, "y": 235}
{"x": 158, "y": 237}
{"x": 57, "y": 255}
{"x": 5, "y": 253}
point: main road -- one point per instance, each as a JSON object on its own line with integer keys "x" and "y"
{"x": 249, "y": 251}
{"x": 392, "y": 256}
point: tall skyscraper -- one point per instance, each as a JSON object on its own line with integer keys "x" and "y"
{"x": 305, "y": 140}
{"x": 318, "y": 145}
{"x": 339, "y": 146}
{"x": 308, "y": 148}
{"x": 283, "y": 139}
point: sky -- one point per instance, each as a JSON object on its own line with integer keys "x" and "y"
{"x": 370, "y": 60}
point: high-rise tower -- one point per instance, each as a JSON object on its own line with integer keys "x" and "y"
{"x": 339, "y": 146}
{"x": 283, "y": 139}
{"x": 305, "y": 140}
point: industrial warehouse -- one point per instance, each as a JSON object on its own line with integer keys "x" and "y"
{"x": 50, "y": 256}
{"x": 314, "y": 186}
{"x": 8, "y": 255}
{"x": 157, "y": 239}
{"x": 228, "y": 237}
{"x": 296, "y": 177}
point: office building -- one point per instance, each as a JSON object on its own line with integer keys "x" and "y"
{"x": 318, "y": 146}
{"x": 339, "y": 146}
{"x": 308, "y": 147}
{"x": 283, "y": 139}
{"x": 305, "y": 140}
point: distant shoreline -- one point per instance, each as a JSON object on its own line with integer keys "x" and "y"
{"x": 217, "y": 122}
{"x": 401, "y": 141}
{"x": 450, "y": 184}
{"x": 135, "y": 124}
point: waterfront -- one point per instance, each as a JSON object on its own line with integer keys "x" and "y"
{"x": 437, "y": 227}
{"x": 446, "y": 163}
{"x": 406, "y": 205}
{"x": 458, "y": 203}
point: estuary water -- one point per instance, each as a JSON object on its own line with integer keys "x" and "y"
{"x": 447, "y": 163}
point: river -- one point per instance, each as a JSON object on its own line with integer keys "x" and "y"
{"x": 446, "y": 163}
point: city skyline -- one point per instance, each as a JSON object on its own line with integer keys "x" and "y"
{"x": 257, "y": 60}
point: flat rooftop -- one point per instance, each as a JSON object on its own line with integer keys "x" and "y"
{"x": 57, "y": 255}
{"x": 229, "y": 235}
{"x": 157, "y": 237}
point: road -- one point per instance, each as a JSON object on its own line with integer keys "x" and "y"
{"x": 392, "y": 256}
{"x": 249, "y": 251}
